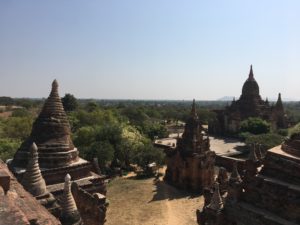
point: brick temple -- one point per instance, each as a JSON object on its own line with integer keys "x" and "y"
{"x": 267, "y": 193}
{"x": 48, "y": 155}
{"x": 191, "y": 164}
{"x": 250, "y": 104}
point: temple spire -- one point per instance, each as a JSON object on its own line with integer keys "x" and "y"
{"x": 267, "y": 100}
{"x": 252, "y": 155}
{"x": 216, "y": 202}
{"x": 33, "y": 181}
{"x": 68, "y": 204}
{"x": 235, "y": 176}
{"x": 279, "y": 102}
{"x": 54, "y": 85}
{"x": 70, "y": 214}
{"x": 251, "y": 75}
{"x": 193, "y": 111}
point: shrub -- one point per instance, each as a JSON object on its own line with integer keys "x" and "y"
{"x": 255, "y": 125}
{"x": 267, "y": 141}
{"x": 8, "y": 147}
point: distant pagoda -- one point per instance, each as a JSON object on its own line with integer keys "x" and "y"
{"x": 250, "y": 104}
{"x": 191, "y": 165}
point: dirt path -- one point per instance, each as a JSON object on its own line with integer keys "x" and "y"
{"x": 150, "y": 202}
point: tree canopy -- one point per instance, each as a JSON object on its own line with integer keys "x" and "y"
{"x": 255, "y": 125}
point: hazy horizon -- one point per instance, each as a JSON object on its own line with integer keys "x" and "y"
{"x": 158, "y": 50}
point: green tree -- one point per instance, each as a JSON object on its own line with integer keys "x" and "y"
{"x": 255, "y": 125}
{"x": 22, "y": 112}
{"x": 267, "y": 141}
{"x": 148, "y": 154}
{"x": 17, "y": 127}
{"x": 91, "y": 106}
{"x": 8, "y": 147}
{"x": 69, "y": 102}
{"x": 153, "y": 130}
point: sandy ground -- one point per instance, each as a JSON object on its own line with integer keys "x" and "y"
{"x": 225, "y": 145}
{"x": 150, "y": 202}
{"x": 221, "y": 146}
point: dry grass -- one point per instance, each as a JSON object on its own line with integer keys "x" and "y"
{"x": 150, "y": 202}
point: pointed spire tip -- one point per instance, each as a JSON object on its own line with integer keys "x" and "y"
{"x": 67, "y": 178}
{"x": 34, "y": 147}
{"x": 54, "y": 84}
{"x": 251, "y": 75}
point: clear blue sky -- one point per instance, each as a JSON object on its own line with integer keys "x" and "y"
{"x": 149, "y": 49}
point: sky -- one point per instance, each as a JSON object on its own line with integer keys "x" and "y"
{"x": 150, "y": 49}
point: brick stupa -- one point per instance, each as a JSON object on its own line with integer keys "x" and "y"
{"x": 57, "y": 154}
{"x": 191, "y": 165}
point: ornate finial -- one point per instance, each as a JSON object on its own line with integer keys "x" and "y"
{"x": 216, "y": 202}
{"x": 251, "y": 76}
{"x": 252, "y": 155}
{"x": 32, "y": 180}
{"x": 235, "y": 176}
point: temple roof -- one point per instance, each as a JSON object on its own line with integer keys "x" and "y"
{"x": 52, "y": 134}
{"x": 250, "y": 87}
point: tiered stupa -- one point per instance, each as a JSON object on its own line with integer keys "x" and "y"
{"x": 250, "y": 104}
{"x": 34, "y": 183}
{"x": 269, "y": 193}
{"x": 57, "y": 155}
{"x": 69, "y": 214}
{"x": 52, "y": 134}
{"x": 191, "y": 164}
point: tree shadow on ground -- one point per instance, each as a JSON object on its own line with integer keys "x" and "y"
{"x": 165, "y": 191}
{"x": 243, "y": 149}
